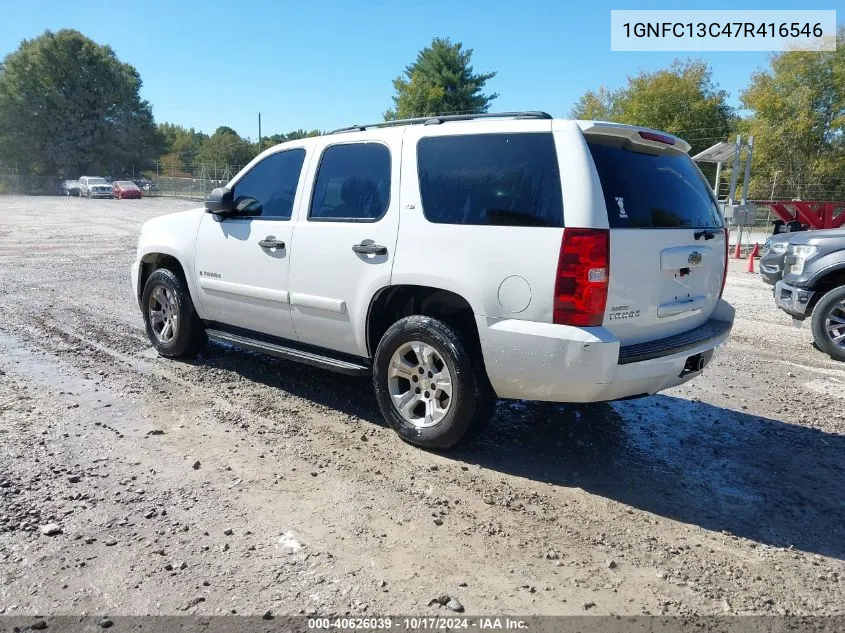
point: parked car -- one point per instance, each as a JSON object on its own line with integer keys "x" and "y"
{"x": 793, "y": 226}
{"x": 813, "y": 287}
{"x": 146, "y": 184}
{"x": 521, "y": 257}
{"x": 94, "y": 187}
{"x": 771, "y": 257}
{"x": 125, "y": 189}
{"x": 70, "y": 188}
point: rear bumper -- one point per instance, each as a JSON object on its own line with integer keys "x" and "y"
{"x": 792, "y": 300}
{"x": 555, "y": 363}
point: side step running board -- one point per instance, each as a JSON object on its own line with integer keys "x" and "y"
{"x": 290, "y": 353}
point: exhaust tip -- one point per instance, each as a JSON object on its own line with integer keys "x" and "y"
{"x": 694, "y": 364}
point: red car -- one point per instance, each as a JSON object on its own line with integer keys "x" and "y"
{"x": 125, "y": 189}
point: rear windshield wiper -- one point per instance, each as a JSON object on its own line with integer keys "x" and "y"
{"x": 708, "y": 234}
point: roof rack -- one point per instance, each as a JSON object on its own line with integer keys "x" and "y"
{"x": 441, "y": 118}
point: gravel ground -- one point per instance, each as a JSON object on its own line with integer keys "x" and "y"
{"x": 131, "y": 484}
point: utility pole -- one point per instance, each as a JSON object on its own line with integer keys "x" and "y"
{"x": 259, "y": 132}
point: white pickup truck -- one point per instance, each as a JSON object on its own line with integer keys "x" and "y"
{"x": 456, "y": 259}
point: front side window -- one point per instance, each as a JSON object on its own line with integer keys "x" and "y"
{"x": 493, "y": 179}
{"x": 268, "y": 189}
{"x": 353, "y": 183}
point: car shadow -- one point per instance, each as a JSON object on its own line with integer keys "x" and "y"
{"x": 770, "y": 481}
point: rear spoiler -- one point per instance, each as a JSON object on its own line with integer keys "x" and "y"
{"x": 636, "y": 135}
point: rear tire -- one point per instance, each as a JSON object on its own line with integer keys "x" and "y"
{"x": 172, "y": 324}
{"x": 828, "y": 323}
{"x": 430, "y": 387}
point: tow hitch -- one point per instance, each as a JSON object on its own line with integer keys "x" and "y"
{"x": 694, "y": 364}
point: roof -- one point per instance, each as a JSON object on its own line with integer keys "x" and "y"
{"x": 718, "y": 153}
{"x": 440, "y": 118}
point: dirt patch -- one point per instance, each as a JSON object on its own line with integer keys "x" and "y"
{"x": 238, "y": 483}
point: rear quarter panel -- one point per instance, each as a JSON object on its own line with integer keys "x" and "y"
{"x": 502, "y": 271}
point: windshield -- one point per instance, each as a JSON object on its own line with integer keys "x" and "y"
{"x": 127, "y": 184}
{"x": 97, "y": 181}
{"x": 653, "y": 191}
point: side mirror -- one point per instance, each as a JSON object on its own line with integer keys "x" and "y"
{"x": 220, "y": 201}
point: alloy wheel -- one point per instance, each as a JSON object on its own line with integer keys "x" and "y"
{"x": 834, "y": 324}
{"x": 163, "y": 314}
{"x": 420, "y": 384}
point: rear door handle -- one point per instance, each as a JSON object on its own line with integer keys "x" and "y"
{"x": 368, "y": 248}
{"x": 271, "y": 242}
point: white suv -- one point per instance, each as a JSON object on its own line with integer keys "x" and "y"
{"x": 94, "y": 187}
{"x": 456, "y": 259}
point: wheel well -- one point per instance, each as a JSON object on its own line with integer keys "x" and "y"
{"x": 831, "y": 280}
{"x": 396, "y": 302}
{"x": 152, "y": 262}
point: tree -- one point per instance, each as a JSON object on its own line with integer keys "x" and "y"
{"x": 681, "y": 99}
{"x": 68, "y": 105}
{"x": 597, "y": 106}
{"x": 798, "y": 121}
{"x": 226, "y": 147}
{"x": 181, "y": 146}
{"x": 440, "y": 81}
{"x": 275, "y": 139}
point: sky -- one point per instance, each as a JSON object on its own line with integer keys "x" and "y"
{"x": 327, "y": 63}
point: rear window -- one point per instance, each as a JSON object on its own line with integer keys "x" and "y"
{"x": 493, "y": 179}
{"x": 653, "y": 191}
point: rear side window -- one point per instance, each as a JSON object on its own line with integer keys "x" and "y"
{"x": 493, "y": 179}
{"x": 353, "y": 183}
{"x": 653, "y": 191}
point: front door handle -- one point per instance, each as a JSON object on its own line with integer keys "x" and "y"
{"x": 271, "y": 242}
{"x": 368, "y": 248}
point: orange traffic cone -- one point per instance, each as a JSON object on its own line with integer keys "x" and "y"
{"x": 750, "y": 267}
{"x": 737, "y": 251}
{"x": 755, "y": 252}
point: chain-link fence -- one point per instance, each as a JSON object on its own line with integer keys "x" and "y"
{"x": 25, "y": 184}
{"x": 190, "y": 188}
{"x": 178, "y": 183}
{"x": 190, "y": 180}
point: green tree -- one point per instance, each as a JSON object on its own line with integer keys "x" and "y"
{"x": 275, "y": 139}
{"x": 180, "y": 139}
{"x": 681, "y": 99}
{"x": 798, "y": 121}
{"x": 597, "y": 105}
{"x": 68, "y": 105}
{"x": 181, "y": 146}
{"x": 226, "y": 147}
{"x": 440, "y": 81}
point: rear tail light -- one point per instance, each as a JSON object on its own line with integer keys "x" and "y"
{"x": 583, "y": 271}
{"x": 725, "y": 274}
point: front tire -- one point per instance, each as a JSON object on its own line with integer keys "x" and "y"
{"x": 172, "y": 324}
{"x": 430, "y": 387}
{"x": 828, "y": 323}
